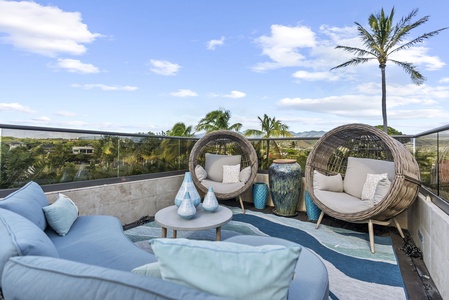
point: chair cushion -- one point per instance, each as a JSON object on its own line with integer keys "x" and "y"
{"x": 215, "y": 162}
{"x": 61, "y": 214}
{"x": 332, "y": 183}
{"x": 245, "y": 174}
{"x": 20, "y": 237}
{"x": 357, "y": 170}
{"x": 151, "y": 269}
{"x": 370, "y": 185}
{"x": 200, "y": 173}
{"x": 28, "y": 202}
{"x": 228, "y": 269}
{"x": 222, "y": 188}
{"x": 342, "y": 202}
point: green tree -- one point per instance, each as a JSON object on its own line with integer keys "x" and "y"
{"x": 384, "y": 40}
{"x": 391, "y": 130}
{"x": 180, "y": 129}
{"x": 217, "y": 120}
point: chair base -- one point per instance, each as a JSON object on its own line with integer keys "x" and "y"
{"x": 371, "y": 223}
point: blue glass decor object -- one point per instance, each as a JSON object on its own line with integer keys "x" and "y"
{"x": 313, "y": 212}
{"x": 188, "y": 186}
{"x": 210, "y": 202}
{"x": 186, "y": 210}
{"x": 284, "y": 176}
{"x": 260, "y": 193}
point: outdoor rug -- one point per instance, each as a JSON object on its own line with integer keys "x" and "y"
{"x": 354, "y": 272}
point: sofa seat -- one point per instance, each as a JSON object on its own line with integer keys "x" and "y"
{"x": 342, "y": 202}
{"x": 99, "y": 240}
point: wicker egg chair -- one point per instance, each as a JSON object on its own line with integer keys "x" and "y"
{"x": 224, "y": 142}
{"x": 330, "y": 154}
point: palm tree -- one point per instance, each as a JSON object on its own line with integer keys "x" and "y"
{"x": 386, "y": 39}
{"x": 217, "y": 120}
{"x": 270, "y": 127}
{"x": 180, "y": 129}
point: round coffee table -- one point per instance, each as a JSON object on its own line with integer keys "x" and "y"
{"x": 168, "y": 218}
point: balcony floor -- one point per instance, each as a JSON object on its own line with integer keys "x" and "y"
{"x": 418, "y": 283}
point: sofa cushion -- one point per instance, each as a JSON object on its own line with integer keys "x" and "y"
{"x": 151, "y": 269}
{"x": 45, "y": 278}
{"x": 357, "y": 170}
{"x": 231, "y": 174}
{"x": 382, "y": 189}
{"x": 28, "y": 202}
{"x": 227, "y": 269}
{"x": 215, "y": 162}
{"x": 61, "y": 214}
{"x": 333, "y": 183}
{"x": 19, "y": 237}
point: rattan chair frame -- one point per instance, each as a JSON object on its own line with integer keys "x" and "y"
{"x": 329, "y": 156}
{"x": 224, "y": 142}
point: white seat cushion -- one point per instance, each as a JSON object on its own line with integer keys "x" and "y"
{"x": 342, "y": 202}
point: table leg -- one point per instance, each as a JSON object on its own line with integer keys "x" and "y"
{"x": 218, "y": 234}
{"x": 164, "y": 232}
{"x": 175, "y": 234}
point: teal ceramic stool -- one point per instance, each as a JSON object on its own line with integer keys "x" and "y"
{"x": 260, "y": 193}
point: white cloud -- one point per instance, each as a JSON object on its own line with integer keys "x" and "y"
{"x": 163, "y": 67}
{"x": 15, "y": 107}
{"x": 235, "y": 95}
{"x": 66, "y": 114}
{"x": 212, "y": 44}
{"x": 76, "y": 66}
{"x": 444, "y": 80}
{"x": 314, "y": 76}
{"x": 45, "y": 30}
{"x": 42, "y": 119}
{"x": 283, "y": 46}
{"x": 105, "y": 87}
{"x": 184, "y": 93}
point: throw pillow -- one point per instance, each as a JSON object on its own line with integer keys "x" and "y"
{"x": 200, "y": 173}
{"x": 231, "y": 174}
{"x": 370, "y": 185}
{"x": 333, "y": 183}
{"x": 245, "y": 174}
{"x": 61, "y": 214}
{"x": 228, "y": 269}
{"x": 152, "y": 269}
{"x": 383, "y": 187}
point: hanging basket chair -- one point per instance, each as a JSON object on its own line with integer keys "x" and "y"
{"x": 330, "y": 154}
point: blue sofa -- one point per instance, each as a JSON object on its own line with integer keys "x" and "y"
{"x": 94, "y": 259}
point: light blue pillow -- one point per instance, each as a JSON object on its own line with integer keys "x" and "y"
{"x": 228, "y": 269}
{"x": 28, "y": 202}
{"x": 61, "y": 214}
{"x": 151, "y": 269}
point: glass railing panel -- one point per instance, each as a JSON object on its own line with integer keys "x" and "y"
{"x": 443, "y": 164}
{"x": 426, "y": 154}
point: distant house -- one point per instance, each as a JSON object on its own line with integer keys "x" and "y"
{"x": 83, "y": 150}
{"x": 15, "y": 145}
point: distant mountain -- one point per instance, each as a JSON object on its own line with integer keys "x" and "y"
{"x": 312, "y": 133}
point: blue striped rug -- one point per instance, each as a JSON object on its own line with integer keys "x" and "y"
{"x": 354, "y": 272}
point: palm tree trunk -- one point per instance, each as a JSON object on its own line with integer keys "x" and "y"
{"x": 384, "y": 98}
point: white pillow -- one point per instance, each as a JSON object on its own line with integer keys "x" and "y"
{"x": 370, "y": 185}
{"x": 332, "y": 183}
{"x": 200, "y": 173}
{"x": 245, "y": 174}
{"x": 61, "y": 214}
{"x": 383, "y": 187}
{"x": 228, "y": 269}
{"x": 151, "y": 269}
{"x": 231, "y": 174}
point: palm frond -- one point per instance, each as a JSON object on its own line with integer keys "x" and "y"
{"x": 354, "y": 62}
{"x": 410, "y": 69}
{"x": 418, "y": 40}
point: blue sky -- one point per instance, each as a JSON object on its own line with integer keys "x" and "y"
{"x": 143, "y": 65}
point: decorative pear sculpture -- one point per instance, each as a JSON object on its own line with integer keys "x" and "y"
{"x": 186, "y": 210}
{"x": 188, "y": 186}
{"x": 210, "y": 202}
